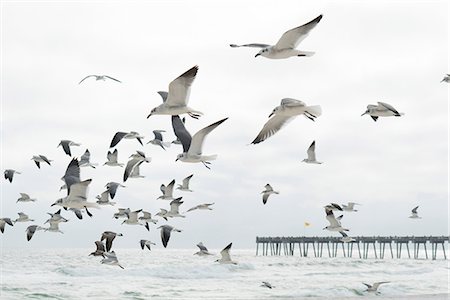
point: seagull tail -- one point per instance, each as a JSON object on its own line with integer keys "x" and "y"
{"x": 315, "y": 110}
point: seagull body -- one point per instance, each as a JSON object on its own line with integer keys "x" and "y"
{"x": 38, "y": 159}
{"x": 99, "y": 77}
{"x": 446, "y": 78}
{"x": 192, "y": 146}
{"x": 103, "y": 199}
{"x": 31, "y": 230}
{"x": 3, "y": 222}
{"x": 158, "y": 140}
{"x": 203, "y": 250}
{"x": 23, "y": 218}
{"x": 112, "y": 159}
{"x": 286, "y": 111}
{"x": 285, "y": 47}
{"x": 54, "y": 227}
{"x": 175, "y": 102}
{"x": 123, "y": 213}
{"x": 111, "y": 259}
{"x": 146, "y": 243}
{"x": 167, "y": 191}
{"x": 9, "y": 174}
{"x": 56, "y": 218}
{"x": 335, "y": 225}
{"x": 165, "y": 233}
{"x": 125, "y": 135}
{"x": 225, "y": 256}
{"x": 350, "y": 207}
{"x": 100, "y": 249}
{"x": 414, "y": 214}
{"x": 109, "y": 236}
{"x": 185, "y": 185}
{"x": 85, "y": 160}
{"x": 65, "y": 144}
{"x": 174, "y": 211}
{"x": 345, "y": 238}
{"x": 381, "y": 110}
{"x": 267, "y": 192}
{"x": 25, "y": 198}
{"x": 311, "y": 154}
{"x": 266, "y": 284}
{"x": 204, "y": 206}
{"x": 147, "y": 217}
{"x": 374, "y": 287}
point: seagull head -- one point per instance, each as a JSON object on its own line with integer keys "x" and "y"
{"x": 274, "y": 111}
{"x": 58, "y": 202}
{"x": 261, "y": 52}
{"x": 152, "y": 112}
{"x": 180, "y": 157}
{"x": 366, "y": 112}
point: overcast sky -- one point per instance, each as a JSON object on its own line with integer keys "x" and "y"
{"x": 366, "y": 51}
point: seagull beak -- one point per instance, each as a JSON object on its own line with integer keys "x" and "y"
{"x": 149, "y": 115}
{"x": 176, "y": 159}
{"x": 271, "y": 114}
{"x": 257, "y": 55}
{"x": 366, "y": 112}
{"x": 53, "y": 204}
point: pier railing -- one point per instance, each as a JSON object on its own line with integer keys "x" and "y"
{"x": 288, "y": 245}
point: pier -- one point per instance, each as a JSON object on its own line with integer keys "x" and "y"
{"x": 334, "y": 246}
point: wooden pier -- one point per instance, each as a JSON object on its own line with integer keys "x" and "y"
{"x": 334, "y": 245}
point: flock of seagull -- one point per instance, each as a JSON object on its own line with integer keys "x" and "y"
{"x": 175, "y": 103}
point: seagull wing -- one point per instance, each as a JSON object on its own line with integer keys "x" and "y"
{"x": 268, "y": 188}
{"x": 180, "y": 88}
{"x": 45, "y": 159}
{"x": 132, "y": 164}
{"x": 389, "y": 107}
{"x": 199, "y": 138}
{"x": 311, "y": 151}
{"x": 202, "y": 247}
{"x": 165, "y": 235}
{"x": 66, "y": 147}
{"x": 175, "y": 205}
{"x": 226, "y": 252}
{"x": 368, "y": 285}
{"x": 158, "y": 135}
{"x": 117, "y": 138}
{"x": 252, "y": 45}
{"x": 100, "y": 246}
{"x": 86, "y": 78}
{"x": 265, "y": 197}
{"x": 343, "y": 234}
{"x": 271, "y": 127}
{"x": 377, "y": 284}
{"x": 72, "y": 174}
{"x": 142, "y": 242}
{"x": 291, "y": 38}
{"x": 331, "y": 218}
{"x": 163, "y": 95}
{"x": 30, "y": 231}
{"x": 85, "y": 157}
{"x": 414, "y": 210}
{"x": 113, "y": 78}
{"x": 186, "y": 181}
{"x": 78, "y": 191}
{"x": 181, "y": 133}
{"x": 168, "y": 191}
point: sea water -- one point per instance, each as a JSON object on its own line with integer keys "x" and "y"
{"x": 178, "y": 274}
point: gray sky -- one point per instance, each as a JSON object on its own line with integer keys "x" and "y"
{"x": 366, "y": 51}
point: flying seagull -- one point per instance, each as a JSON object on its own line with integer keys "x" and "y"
{"x": 345, "y": 238}
{"x": 85, "y": 160}
{"x": 109, "y": 236}
{"x": 147, "y": 217}
{"x": 225, "y": 253}
{"x": 446, "y": 78}
{"x": 9, "y": 174}
{"x": 40, "y": 158}
{"x": 185, "y": 185}
{"x": 414, "y": 214}
{"x": 65, "y": 144}
{"x": 285, "y": 47}
{"x": 192, "y": 146}
{"x": 56, "y": 217}
{"x": 125, "y": 135}
{"x": 204, "y": 206}
{"x": 111, "y": 259}
{"x": 112, "y": 159}
{"x": 174, "y": 209}
{"x": 286, "y": 111}
{"x": 99, "y": 77}
{"x": 4, "y": 221}
{"x": 132, "y": 218}
{"x": 381, "y": 110}
{"x": 23, "y": 218}
{"x": 31, "y": 230}
{"x": 175, "y": 102}
{"x": 146, "y": 243}
{"x": 122, "y": 213}
{"x": 165, "y": 233}
{"x": 203, "y": 250}
{"x": 112, "y": 188}
{"x": 100, "y": 249}
{"x": 374, "y": 287}
{"x": 335, "y": 224}
{"x": 350, "y": 207}
{"x": 25, "y": 198}
{"x": 132, "y": 168}
{"x": 103, "y": 199}
{"x": 311, "y": 154}
{"x": 54, "y": 227}
{"x": 267, "y": 192}
{"x": 167, "y": 191}
{"x": 158, "y": 140}
{"x": 267, "y": 285}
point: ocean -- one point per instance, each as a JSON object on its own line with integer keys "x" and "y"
{"x": 178, "y": 274}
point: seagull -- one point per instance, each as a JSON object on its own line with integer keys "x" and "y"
{"x": 204, "y": 206}
{"x": 123, "y": 212}
{"x": 185, "y": 185}
{"x": 192, "y": 146}
{"x": 25, "y": 198}
{"x": 146, "y": 243}
{"x": 125, "y": 135}
{"x": 158, "y": 140}
{"x": 84, "y": 160}
{"x": 266, "y": 284}
{"x": 311, "y": 154}
{"x": 147, "y": 217}
{"x": 167, "y": 191}
{"x": 112, "y": 159}
{"x": 333, "y": 206}
{"x": 65, "y": 144}
{"x": 4, "y": 221}
{"x": 54, "y": 227}
{"x": 99, "y": 77}
{"x": 267, "y": 192}
{"x": 40, "y": 158}
{"x": 203, "y": 250}
{"x": 56, "y": 217}
{"x": 112, "y": 188}
{"x": 133, "y": 218}
{"x": 345, "y": 238}
{"x": 335, "y": 225}
{"x": 446, "y": 78}
{"x": 163, "y": 213}
{"x": 174, "y": 209}
{"x": 9, "y": 174}
{"x": 285, "y": 47}
{"x": 132, "y": 168}
{"x": 414, "y": 214}
{"x": 23, "y": 218}
{"x": 286, "y": 111}
{"x": 381, "y": 110}
{"x": 374, "y": 287}
{"x": 165, "y": 233}
{"x": 111, "y": 259}
{"x": 100, "y": 249}
{"x": 176, "y": 100}
{"x": 109, "y": 236}
{"x": 31, "y": 230}
{"x": 103, "y": 199}
{"x": 350, "y": 207}
{"x": 225, "y": 253}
